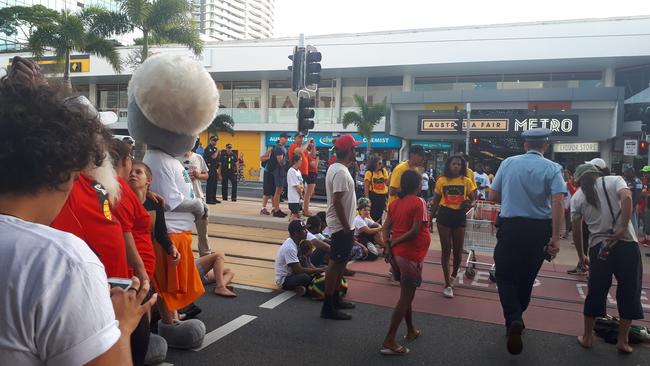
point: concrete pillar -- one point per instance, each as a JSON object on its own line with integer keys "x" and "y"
{"x": 264, "y": 102}
{"x": 336, "y": 116}
{"x": 606, "y": 151}
{"x": 609, "y": 77}
{"x": 92, "y": 93}
{"x": 407, "y": 83}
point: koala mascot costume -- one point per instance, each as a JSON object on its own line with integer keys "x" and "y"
{"x": 171, "y": 100}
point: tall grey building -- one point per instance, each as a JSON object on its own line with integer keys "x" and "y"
{"x": 234, "y": 19}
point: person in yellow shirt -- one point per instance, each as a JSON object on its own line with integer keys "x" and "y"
{"x": 415, "y": 161}
{"x": 455, "y": 194}
{"x": 375, "y": 187}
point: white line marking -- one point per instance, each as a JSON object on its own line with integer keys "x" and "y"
{"x": 271, "y": 304}
{"x": 224, "y": 330}
{"x": 253, "y": 288}
{"x": 165, "y": 364}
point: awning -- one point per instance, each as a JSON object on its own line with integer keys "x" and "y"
{"x": 641, "y": 97}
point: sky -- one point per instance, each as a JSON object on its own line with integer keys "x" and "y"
{"x": 349, "y": 16}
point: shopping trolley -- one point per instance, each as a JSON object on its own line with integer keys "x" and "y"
{"x": 480, "y": 236}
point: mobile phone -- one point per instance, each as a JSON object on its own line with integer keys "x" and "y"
{"x": 123, "y": 283}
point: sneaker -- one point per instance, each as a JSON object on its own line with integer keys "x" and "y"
{"x": 452, "y": 280}
{"x": 300, "y": 290}
{"x": 335, "y": 314}
{"x": 264, "y": 211}
{"x": 515, "y": 344}
{"x": 577, "y": 271}
{"x": 448, "y": 292}
{"x": 278, "y": 214}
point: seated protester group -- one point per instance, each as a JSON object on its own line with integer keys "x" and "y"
{"x": 367, "y": 231}
{"x": 289, "y": 273}
{"x": 320, "y": 245}
{"x": 56, "y": 142}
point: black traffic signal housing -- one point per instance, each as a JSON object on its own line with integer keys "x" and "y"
{"x": 312, "y": 66}
{"x": 296, "y": 68}
{"x": 306, "y": 114}
{"x": 643, "y": 147}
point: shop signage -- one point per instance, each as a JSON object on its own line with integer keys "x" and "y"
{"x": 576, "y": 148}
{"x": 630, "y": 147}
{"x": 433, "y": 145}
{"x": 326, "y": 140}
{"x": 559, "y": 125}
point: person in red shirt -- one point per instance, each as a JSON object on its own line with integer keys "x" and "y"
{"x": 408, "y": 245}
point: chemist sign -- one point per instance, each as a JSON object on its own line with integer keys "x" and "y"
{"x": 630, "y": 147}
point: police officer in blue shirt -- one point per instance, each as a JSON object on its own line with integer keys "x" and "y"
{"x": 531, "y": 191}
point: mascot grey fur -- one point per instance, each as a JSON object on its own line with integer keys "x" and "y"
{"x": 172, "y": 99}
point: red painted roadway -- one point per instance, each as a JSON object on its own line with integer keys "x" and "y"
{"x": 556, "y": 305}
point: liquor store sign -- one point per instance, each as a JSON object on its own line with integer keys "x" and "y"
{"x": 559, "y": 125}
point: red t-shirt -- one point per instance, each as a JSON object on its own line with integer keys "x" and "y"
{"x": 304, "y": 168}
{"x": 87, "y": 214}
{"x": 136, "y": 220}
{"x": 402, "y": 212}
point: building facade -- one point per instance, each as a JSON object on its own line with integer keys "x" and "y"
{"x": 234, "y": 19}
{"x": 586, "y": 80}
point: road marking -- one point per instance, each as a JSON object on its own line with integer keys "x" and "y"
{"x": 284, "y": 296}
{"x": 253, "y": 288}
{"x": 224, "y": 330}
{"x": 165, "y": 364}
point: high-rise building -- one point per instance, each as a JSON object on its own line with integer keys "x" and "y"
{"x": 234, "y": 19}
{"x": 13, "y": 42}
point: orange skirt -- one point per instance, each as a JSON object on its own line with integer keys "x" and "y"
{"x": 178, "y": 285}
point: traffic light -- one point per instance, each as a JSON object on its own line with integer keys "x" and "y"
{"x": 297, "y": 81}
{"x": 312, "y": 66}
{"x": 306, "y": 113}
{"x": 475, "y": 140}
{"x": 643, "y": 147}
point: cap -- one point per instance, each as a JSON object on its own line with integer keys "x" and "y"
{"x": 583, "y": 169}
{"x": 215, "y": 138}
{"x": 346, "y": 142}
{"x": 536, "y": 134}
{"x": 597, "y": 162}
{"x": 284, "y": 134}
{"x": 646, "y": 169}
{"x": 82, "y": 103}
{"x": 362, "y": 203}
{"x": 313, "y": 222}
{"x": 228, "y": 146}
{"x": 296, "y": 226}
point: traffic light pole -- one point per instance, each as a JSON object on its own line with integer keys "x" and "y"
{"x": 468, "y": 108}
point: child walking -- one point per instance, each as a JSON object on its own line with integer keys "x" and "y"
{"x": 295, "y": 187}
{"x": 408, "y": 243}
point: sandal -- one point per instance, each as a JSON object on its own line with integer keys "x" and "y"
{"x": 399, "y": 351}
{"x": 418, "y": 333}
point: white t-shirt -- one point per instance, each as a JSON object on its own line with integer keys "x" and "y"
{"x": 425, "y": 182}
{"x": 599, "y": 220}
{"x": 191, "y": 163}
{"x": 173, "y": 183}
{"x": 482, "y": 180}
{"x": 338, "y": 179}
{"x": 360, "y": 222}
{"x": 287, "y": 255}
{"x": 294, "y": 178}
{"x": 55, "y": 307}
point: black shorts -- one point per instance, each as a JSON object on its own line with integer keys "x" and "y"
{"x": 294, "y": 208}
{"x": 268, "y": 184}
{"x": 451, "y": 218}
{"x": 341, "y": 246}
{"x": 310, "y": 178}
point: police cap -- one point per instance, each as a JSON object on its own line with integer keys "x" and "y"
{"x": 537, "y": 134}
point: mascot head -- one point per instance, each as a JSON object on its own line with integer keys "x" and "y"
{"x": 171, "y": 100}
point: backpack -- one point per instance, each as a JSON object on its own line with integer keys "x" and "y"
{"x": 607, "y": 329}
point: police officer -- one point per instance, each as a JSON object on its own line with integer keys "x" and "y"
{"x": 228, "y": 168}
{"x": 531, "y": 190}
{"x": 210, "y": 155}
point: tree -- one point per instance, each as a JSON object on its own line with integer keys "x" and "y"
{"x": 222, "y": 123}
{"x": 22, "y": 21}
{"x": 163, "y": 21}
{"x": 85, "y": 32}
{"x": 366, "y": 119}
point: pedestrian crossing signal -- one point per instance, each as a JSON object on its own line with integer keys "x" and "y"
{"x": 643, "y": 147}
{"x": 475, "y": 141}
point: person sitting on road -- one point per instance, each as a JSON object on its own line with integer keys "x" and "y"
{"x": 366, "y": 231}
{"x": 321, "y": 247}
{"x": 408, "y": 244}
{"x": 289, "y": 273}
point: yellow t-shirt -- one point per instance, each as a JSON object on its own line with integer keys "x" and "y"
{"x": 378, "y": 181}
{"x": 396, "y": 178}
{"x": 470, "y": 176}
{"x": 453, "y": 191}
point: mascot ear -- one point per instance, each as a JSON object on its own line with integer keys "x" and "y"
{"x": 171, "y": 100}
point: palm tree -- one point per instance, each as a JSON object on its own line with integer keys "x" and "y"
{"x": 222, "y": 123}
{"x": 85, "y": 32}
{"x": 366, "y": 119}
{"x": 163, "y": 21}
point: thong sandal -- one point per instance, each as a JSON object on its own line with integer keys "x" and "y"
{"x": 399, "y": 351}
{"x": 418, "y": 333}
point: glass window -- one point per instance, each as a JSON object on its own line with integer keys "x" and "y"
{"x": 82, "y": 89}
{"x": 478, "y": 82}
{"x": 112, "y": 96}
{"x": 380, "y": 88}
{"x": 283, "y": 102}
{"x": 326, "y": 102}
{"x": 435, "y": 83}
{"x": 246, "y": 94}
{"x": 225, "y": 94}
{"x": 524, "y": 81}
{"x": 351, "y": 87}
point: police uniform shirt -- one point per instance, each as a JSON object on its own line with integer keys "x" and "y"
{"x": 212, "y": 162}
{"x": 526, "y": 183}
{"x": 227, "y": 161}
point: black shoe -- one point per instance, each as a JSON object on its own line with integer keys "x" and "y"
{"x": 335, "y": 315}
{"x": 217, "y": 201}
{"x": 211, "y": 202}
{"x": 342, "y": 304}
{"x": 515, "y": 344}
{"x": 190, "y": 311}
{"x": 278, "y": 214}
{"x": 234, "y": 200}
{"x": 224, "y": 199}
{"x": 349, "y": 272}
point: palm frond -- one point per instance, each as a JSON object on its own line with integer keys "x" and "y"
{"x": 185, "y": 34}
{"x": 350, "y": 118}
{"x": 361, "y": 103}
{"x": 165, "y": 13}
{"x": 103, "y": 48}
{"x": 44, "y": 38}
{"x": 376, "y": 112}
{"x": 105, "y": 23}
{"x": 223, "y": 123}
{"x": 137, "y": 11}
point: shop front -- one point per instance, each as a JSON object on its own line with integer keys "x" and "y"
{"x": 570, "y": 155}
{"x": 436, "y": 154}
{"x": 247, "y": 146}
